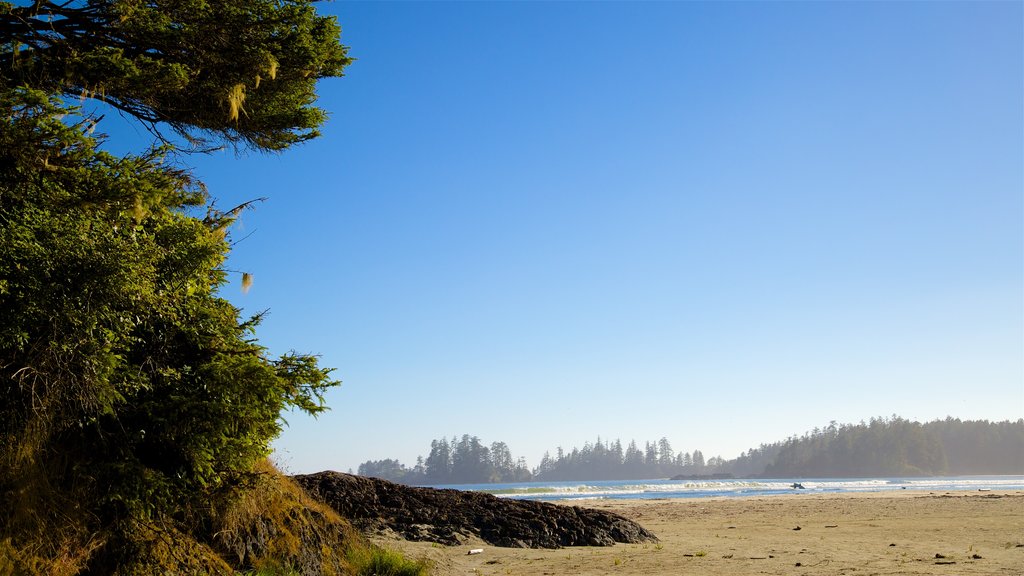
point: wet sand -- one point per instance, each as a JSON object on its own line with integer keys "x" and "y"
{"x": 855, "y": 534}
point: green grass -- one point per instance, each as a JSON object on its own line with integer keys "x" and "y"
{"x": 374, "y": 561}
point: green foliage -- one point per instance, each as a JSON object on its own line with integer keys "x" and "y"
{"x": 375, "y": 561}
{"x": 240, "y": 70}
{"x": 123, "y": 377}
{"x": 134, "y": 401}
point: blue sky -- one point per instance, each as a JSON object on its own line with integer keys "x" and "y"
{"x": 721, "y": 223}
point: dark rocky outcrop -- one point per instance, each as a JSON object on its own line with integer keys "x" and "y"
{"x": 451, "y": 516}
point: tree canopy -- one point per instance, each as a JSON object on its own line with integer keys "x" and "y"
{"x": 130, "y": 390}
{"x": 243, "y": 71}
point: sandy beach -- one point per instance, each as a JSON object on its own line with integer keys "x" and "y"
{"x": 855, "y": 534}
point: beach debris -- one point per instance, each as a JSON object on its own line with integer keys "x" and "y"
{"x": 939, "y": 556}
{"x": 891, "y": 545}
{"x": 727, "y": 556}
{"x": 798, "y": 564}
{"x": 832, "y": 526}
{"x": 475, "y": 551}
{"x": 976, "y": 557}
{"x": 798, "y": 528}
{"x": 945, "y": 562}
{"x": 797, "y": 486}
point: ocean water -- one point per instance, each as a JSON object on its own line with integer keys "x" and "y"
{"x": 651, "y": 489}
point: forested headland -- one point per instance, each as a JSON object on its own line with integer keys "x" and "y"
{"x": 881, "y": 447}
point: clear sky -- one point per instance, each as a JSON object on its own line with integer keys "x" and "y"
{"x": 721, "y": 223}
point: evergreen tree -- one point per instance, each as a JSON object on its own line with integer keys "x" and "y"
{"x": 470, "y": 461}
{"x": 439, "y": 463}
{"x": 698, "y": 461}
{"x": 130, "y": 392}
{"x": 650, "y": 455}
{"x": 234, "y": 70}
{"x": 665, "y": 455}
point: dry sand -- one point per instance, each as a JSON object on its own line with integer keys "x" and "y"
{"x": 856, "y": 534}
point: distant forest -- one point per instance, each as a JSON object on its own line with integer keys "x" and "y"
{"x": 882, "y": 447}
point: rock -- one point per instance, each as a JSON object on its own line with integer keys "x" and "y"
{"x": 451, "y": 516}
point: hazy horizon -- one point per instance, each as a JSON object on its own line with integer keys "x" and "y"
{"x": 719, "y": 223}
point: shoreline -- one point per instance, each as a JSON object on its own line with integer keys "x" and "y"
{"x": 582, "y": 491}
{"x": 890, "y": 532}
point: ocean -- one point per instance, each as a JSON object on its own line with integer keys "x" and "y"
{"x": 652, "y": 489}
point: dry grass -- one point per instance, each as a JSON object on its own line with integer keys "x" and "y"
{"x": 270, "y": 528}
{"x": 275, "y": 526}
{"x": 43, "y": 530}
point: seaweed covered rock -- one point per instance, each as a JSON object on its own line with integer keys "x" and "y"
{"x": 451, "y": 516}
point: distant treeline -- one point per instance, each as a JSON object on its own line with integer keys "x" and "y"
{"x": 898, "y": 447}
{"x": 468, "y": 461}
{"x": 882, "y": 447}
{"x": 459, "y": 461}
